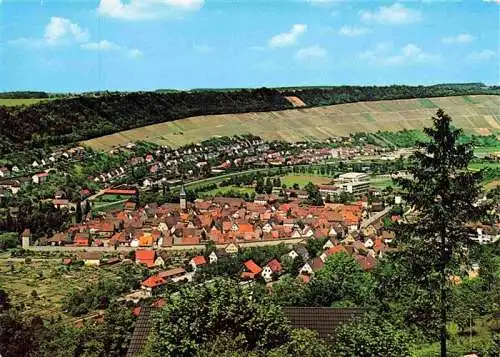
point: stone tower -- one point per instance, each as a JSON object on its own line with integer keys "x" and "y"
{"x": 26, "y": 238}
{"x": 182, "y": 197}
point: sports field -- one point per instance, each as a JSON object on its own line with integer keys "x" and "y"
{"x": 477, "y": 114}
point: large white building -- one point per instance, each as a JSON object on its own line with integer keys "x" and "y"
{"x": 353, "y": 177}
{"x": 353, "y": 182}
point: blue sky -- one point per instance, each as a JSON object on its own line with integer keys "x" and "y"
{"x": 83, "y": 45}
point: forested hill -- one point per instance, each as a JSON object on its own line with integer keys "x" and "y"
{"x": 76, "y": 118}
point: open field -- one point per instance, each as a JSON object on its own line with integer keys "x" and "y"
{"x": 51, "y": 281}
{"x": 477, "y": 114}
{"x": 304, "y": 179}
{"x": 20, "y": 101}
{"x": 484, "y": 165}
{"x": 221, "y": 191}
{"x": 492, "y": 184}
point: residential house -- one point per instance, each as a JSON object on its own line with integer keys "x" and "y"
{"x": 146, "y": 257}
{"x": 197, "y": 261}
{"x": 250, "y": 270}
{"x": 57, "y": 239}
{"x": 367, "y": 263}
{"x": 40, "y": 177}
{"x": 333, "y": 250}
{"x": 271, "y": 269}
{"x": 231, "y": 248}
{"x": 152, "y": 285}
{"x": 311, "y": 266}
{"x": 91, "y": 258}
{"x": 174, "y": 274}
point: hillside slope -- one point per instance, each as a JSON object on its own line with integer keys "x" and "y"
{"x": 475, "y": 113}
{"x": 68, "y": 119}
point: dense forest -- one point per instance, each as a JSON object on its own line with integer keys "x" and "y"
{"x": 67, "y": 120}
{"x": 316, "y": 96}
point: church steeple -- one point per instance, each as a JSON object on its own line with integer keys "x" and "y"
{"x": 182, "y": 197}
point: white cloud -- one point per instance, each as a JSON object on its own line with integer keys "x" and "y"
{"x": 462, "y": 38}
{"x": 396, "y": 14}
{"x": 408, "y": 54}
{"x": 288, "y": 38}
{"x": 352, "y": 31}
{"x": 310, "y": 52}
{"x": 59, "y": 31}
{"x": 495, "y": 1}
{"x": 202, "y": 48}
{"x": 146, "y": 9}
{"x": 103, "y": 45}
{"x": 484, "y": 55}
{"x": 135, "y": 53}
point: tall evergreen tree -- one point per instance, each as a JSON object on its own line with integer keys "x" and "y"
{"x": 268, "y": 187}
{"x": 259, "y": 187}
{"x": 78, "y": 212}
{"x": 442, "y": 193}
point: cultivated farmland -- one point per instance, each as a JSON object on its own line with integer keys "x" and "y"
{"x": 12, "y": 102}
{"x": 476, "y": 113}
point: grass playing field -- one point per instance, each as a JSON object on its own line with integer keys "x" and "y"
{"x": 304, "y": 179}
{"x": 477, "y": 114}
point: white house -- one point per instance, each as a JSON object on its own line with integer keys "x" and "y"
{"x": 39, "y": 177}
{"x": 134, "y": 243}
{"x": 369, "y": 243}
{"x": 273, "y": 267}
{"x": 328, "y": 244}
{"x": 306, "y": 269}
{"x": 212, "y": 258}
{"x": 197, "y": 261}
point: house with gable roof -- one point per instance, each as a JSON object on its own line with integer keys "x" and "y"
{"x": 333, "y": 250}
{"x": 197, "y": 261}
{"x": 250, "y": 270}
{"x": 146, "y": 257}
{"x": 271, "y": 269}
{"x": 153, "y": 284}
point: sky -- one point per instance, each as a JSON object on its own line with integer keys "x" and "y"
{"x": 86, "y": 45}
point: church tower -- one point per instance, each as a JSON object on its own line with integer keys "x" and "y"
{"x": 182, "y": 197}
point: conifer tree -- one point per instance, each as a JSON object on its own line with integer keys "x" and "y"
{"x": 442, "y": 194}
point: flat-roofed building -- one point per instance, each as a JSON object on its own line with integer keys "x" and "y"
{"x": 352, "y": 177}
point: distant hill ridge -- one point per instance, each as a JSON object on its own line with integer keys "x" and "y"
{"x": 475, "y": 114}
{"x": 68, "y": 120}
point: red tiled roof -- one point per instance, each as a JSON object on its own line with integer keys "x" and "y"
{"x": 154, "y": 281}
{"x": 199, "y": 260}
{"x": 145, "y": 256}
{"x": 367, "y": 263}
{"x": 317, "y": 263}
{"x": 190, "y": 240}
{"x": 136, "y": 311}
{"x": 275, "y": 265}
{"x": 252, "y": 267}
{"x": 159, "y": 303}
{"x": 337, "y": 249}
